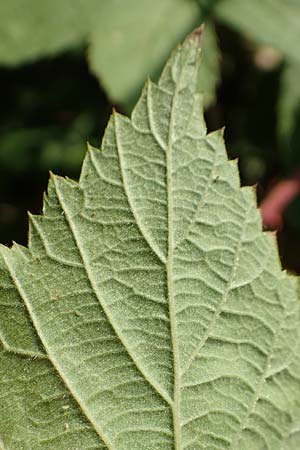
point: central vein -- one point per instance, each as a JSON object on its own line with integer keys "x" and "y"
{"x": 173, "y": 328}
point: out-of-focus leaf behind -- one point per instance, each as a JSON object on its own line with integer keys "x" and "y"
{"x": 272, "y": 22}
{"x": 289, "y": 116}
{"x": 31, "y": 29}
{"x": 133, "y": 38}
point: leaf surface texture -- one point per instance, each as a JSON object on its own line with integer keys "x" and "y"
{"x": 150, "y": 311}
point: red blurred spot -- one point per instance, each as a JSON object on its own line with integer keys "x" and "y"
{"x": 275, "y": 203}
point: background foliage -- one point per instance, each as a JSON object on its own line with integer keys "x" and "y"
{"x": 63, "y": 65}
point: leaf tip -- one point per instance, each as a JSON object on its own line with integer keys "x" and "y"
{"x": 197, "y": 34}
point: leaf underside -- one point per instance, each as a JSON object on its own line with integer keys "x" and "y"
{"x": 149, "y": 311}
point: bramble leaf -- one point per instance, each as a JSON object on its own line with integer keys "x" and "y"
{"x": 150, "y": 311}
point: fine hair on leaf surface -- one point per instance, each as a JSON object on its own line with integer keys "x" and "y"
{"x": 150, "y": 311}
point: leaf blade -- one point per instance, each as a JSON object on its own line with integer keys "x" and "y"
{"x": 157, "y": 297}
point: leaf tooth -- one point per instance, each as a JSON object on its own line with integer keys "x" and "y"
{"x": 216, "y": 140}
{"x": 249, "y": 195}
{"x": 139, "y": 116}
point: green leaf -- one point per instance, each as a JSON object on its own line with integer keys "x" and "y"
{"x": 209, "y": 71}
{"x": 32, "y": 29}
{"x": 293, "y": 441}
{"x": 154, "y": 304}
{"x": 128, "y": 40}
{"x": 137, "y": 41}
{"x": 138, "y": 38}
{"x": 289, "y": 115}
{"x": 271, "y": 22}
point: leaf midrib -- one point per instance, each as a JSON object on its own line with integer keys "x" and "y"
{"x": 169, "y": 268}
{"x": 168, "y": 149}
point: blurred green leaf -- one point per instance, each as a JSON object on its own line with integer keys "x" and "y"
{"x": 133, "y": 39}
{"x": 289, "y": 116}
{"x": 209, "y": 73}
{"x": 272, "y": 22}
{"x": 129, "y": 40}
{"x": 31, "y": 29}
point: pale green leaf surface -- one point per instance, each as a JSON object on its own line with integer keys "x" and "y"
{"x": 16, "y": 332}
{"x": 271, "y": 22}
{"x": 36, "y": 410}
{"x": 159, "y": 302}
{"x": 293, "y": 441}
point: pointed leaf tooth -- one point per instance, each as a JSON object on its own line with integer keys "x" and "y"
{"x": 140, "y": 116}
